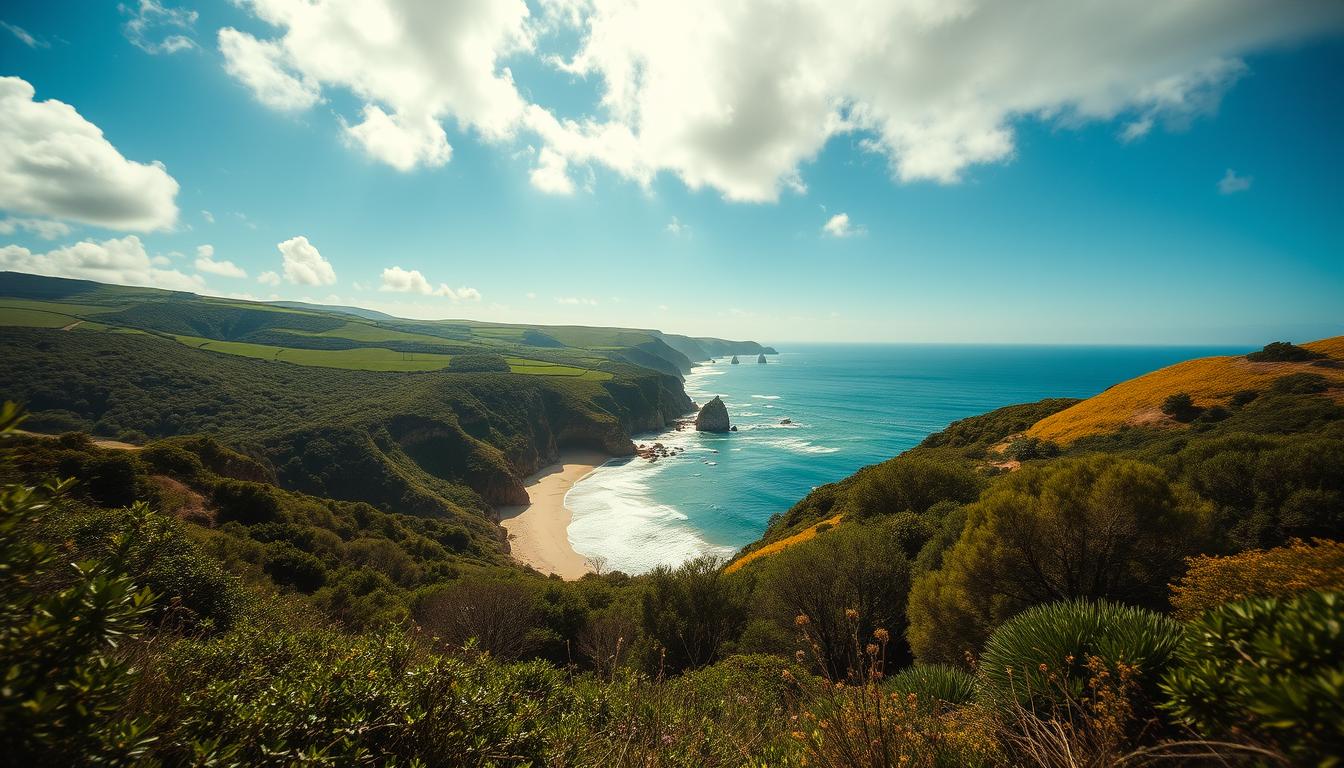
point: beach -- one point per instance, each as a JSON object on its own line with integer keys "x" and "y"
{"x": 539, "y": 531}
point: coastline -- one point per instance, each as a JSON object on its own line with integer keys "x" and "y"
{"x": 539, "y": 531}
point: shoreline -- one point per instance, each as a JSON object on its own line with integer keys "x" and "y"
{"x": 539, "y": 531}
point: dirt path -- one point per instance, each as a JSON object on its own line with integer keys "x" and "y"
{"x": 115, "y": 445}
{"x": 72, "y": 326}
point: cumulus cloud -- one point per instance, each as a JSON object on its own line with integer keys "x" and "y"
{"x": 54, "y": 163}
{"x": 737, "y": 96}
{"x": 157, "y": 28}
{"x": 25, "y": 37}
{"x": 677, "y": 228}
{"x": 401, "y": 280}
{"x": 303, "y": 265}
{"x": 269, "y": 277}
{"x": 118, "y": 261}
{"x": 259, "y": 66}
{"x": 43, "y": 228}
{"x": 551, "y": 174}
{"x": 839, "y": 225}
{"x": 411, "y": 63}
{"x": 205, "y": 262}
{"x": 1231, "y": 183}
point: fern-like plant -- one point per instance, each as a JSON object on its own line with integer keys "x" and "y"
{"x": 934, "y": 685}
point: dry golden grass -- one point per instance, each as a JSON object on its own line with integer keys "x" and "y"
{"x": 1209, "y": 380}
{"x": 806, "y": 534}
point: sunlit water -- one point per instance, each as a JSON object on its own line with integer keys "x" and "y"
{"x": 851, "y": 405}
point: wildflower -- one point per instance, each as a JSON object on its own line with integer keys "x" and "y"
{"x": 871, "y": 649}
{"x": 882, "y": 635}
{"x": 801, "y": 620}
{"x": 799, "y": 656}
{"x": 667, "y": 739}
{"x": 1044, "y": 667}
{"x": 851, "y": 614}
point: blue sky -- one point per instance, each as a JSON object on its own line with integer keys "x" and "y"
{"x": 1181, "y": 187}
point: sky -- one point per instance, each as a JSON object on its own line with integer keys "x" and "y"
{"x": 1044, "y": 171}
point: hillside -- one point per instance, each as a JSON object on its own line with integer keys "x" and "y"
{"x": 439, "y": 419}
{"x": 1210, "y": 382}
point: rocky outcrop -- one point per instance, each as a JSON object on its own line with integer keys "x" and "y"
{"x": 760, "y": 359}
{"x": 735, "y": 361}
{"x": 713, "y": 417}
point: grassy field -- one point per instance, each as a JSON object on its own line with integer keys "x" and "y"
{"x": 1209, "y": 381}
{"x": 356, "y": 331}
{"x": 363, "y": 359}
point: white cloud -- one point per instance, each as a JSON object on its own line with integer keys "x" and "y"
{"x": 269, "y": 277}
{"x": 531, "y": 296}
{"x": 303, "y": 265}
{"x": 118, "y": 261}
{"x": 54, "y": 163}
{"x": 738, "y": 96}
{"x": 576, "y": 301}
{"x": 411, "y": 63}
{"x": 208, "y": 216}
{"x": 839, "y": 225}
{"x": 25, "y": 37}
{"x": 257, "y": 65}
{"x": 43, "y": 228}
{"x": 1231, "y": 183}
{"x": 677, "y": 228}
{"x": 551, "y": 174}
{"x": 205, "y": 262}
{"x": 157, "y": 28}
{"x": 401, "y": 280}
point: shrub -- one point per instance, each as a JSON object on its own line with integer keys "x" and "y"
{"x": 691, "y": 612}
{"x": 1269, "y": 668}
{"x": 498, "y": 617}
{"x": 1180, "y": 407}
{"x": 1300, "y": 384}
{"x": 1243, "y": 397}
{"x": 1283, "y": 352}
{"x": 1028, "y": 448}
{"x": 1282, "y": 571}
{"x": 1098, "y": 527}
{"x": 247, "y": 502}
{"x": 933, "y": 684}
{"x": 289, "y": 565}
{"x": 1049, "y": 653}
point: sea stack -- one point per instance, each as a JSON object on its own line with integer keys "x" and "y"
{"x": 760, "y": 359}
{"x": 713, "y": 417}
{"x": 735, "y": 361}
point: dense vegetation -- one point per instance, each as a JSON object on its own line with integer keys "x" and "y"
{"x": 297, "y": 566}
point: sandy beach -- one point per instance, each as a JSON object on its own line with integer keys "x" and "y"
{"x": 538, "y": 532}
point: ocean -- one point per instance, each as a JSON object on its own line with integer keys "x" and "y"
{"x": 850, "y": 405}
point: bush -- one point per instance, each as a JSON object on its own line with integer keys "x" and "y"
{"x": 1028, "y": 448}
{"x": 934, "y": 684}
{"x": 1181, "y": 407}
{"x": 691, "y": 612}
{"x": 246, "y": 502}
{"x": 1050, "y": 652}
{"x": 1300, "y": 384}
{"x": 1243, "y": 397}
{"x": 1279, "y": 572}
{"x": 1269, "y": 668}
{"x": 289, "y": 565}
{"x": 1283, "y": 352}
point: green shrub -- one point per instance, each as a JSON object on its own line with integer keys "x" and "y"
{"x": 1243, "y": 397}
{"x": 1283, "y": 352}
{"x": 934, "y": 683}
{"x": 1180, "y": 407}
{"x": 479, "y": 363}
{"x": 1046, "y": 653}
{"x": 1270, "y": 668}
{"x": 292, "y": 566}
{"x": 247, "y": 502}
{"x": 1300, "y": 384}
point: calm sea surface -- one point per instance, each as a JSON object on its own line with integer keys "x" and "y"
{"x": 851, "y": 405}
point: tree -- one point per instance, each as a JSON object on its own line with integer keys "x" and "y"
{"x": 1181, "y": 407}
{"x": 1097, "y": 527}
{"x": 497, "y": 616}
{"x": 692, "y": 611}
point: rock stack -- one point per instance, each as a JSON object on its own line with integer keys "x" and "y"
{"x": 713, "y": 417}
{"x": 760, "y": 359}
{"x": 735, "y": 361}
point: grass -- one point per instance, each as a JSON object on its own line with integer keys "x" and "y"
{"x": 1209, "y": 381}
{"x": 362, "y": 359}
{"x": 807, "y": 534}
{"x": 58, "y": 307}
{"x": 356, "y": 331}
{"x": 34, "y": 318}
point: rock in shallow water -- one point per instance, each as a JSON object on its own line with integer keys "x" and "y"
{"x": 713, "y": 417}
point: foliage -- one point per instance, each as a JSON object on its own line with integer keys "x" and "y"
{"x": 1211, "y": 581}
{"x": 934, "y": 684}
{"x": 1300, "y": 384}
{"x": 1181, "y": 407}
{"x": 1283, "y": 352}
{"x": 1053, "y": 653}
{"x": 1094, "y": 527}
{"x": 691, "y": 612}
{"x": 61, "y": 633}
{"x": 478, "y": 363}
{"x": 1268, "y": 668}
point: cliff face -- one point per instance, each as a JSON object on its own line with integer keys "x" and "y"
{"x": 713, "y": 417}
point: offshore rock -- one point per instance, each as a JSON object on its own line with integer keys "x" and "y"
{"x": 760, "y": 359}
{"x": 713, "y": 417}
{"x": 735, "y": 361}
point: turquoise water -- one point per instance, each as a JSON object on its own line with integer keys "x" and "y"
{"x": 851, "y": 405}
